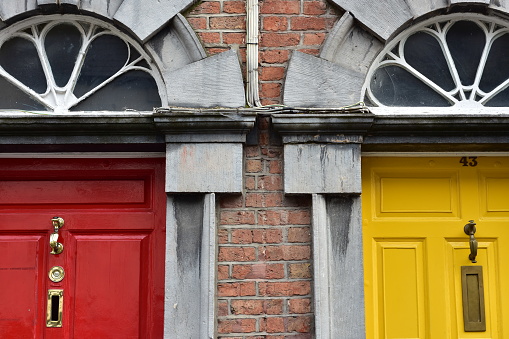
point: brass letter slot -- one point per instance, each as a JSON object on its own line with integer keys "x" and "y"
{"x": 55, "y": 308}
{"x": 473, "y": 299}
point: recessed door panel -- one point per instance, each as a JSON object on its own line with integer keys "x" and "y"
{"x": 21, "y": 267}
{"x": 401, "y": 289}
{"x": 108, "y": 286}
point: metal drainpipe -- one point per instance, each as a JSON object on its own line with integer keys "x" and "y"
{"x": 252, "y": 93}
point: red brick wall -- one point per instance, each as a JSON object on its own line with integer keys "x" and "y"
{"x": 285, "y": 26}
{"x": 264, "y": 272}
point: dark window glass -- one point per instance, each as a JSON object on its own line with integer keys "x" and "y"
{"x": 499, "y": 100}
{"x": 496, "y": 70}
{"x": 394, "y": 86}
{"x": 423, "y": 52}
{"x": 466, "y": 42}
{"x": 12, "y": 97}
{"x": 62, "y": 44}
{"x": 19, "y": 58}
{"x": 106, "y": 55}
{"x": 133, "y": 90}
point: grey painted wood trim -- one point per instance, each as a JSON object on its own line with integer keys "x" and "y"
{"x": 145, "y": 18}
{"x": 350, "y": 46}
{"x": 179, "y": 40}
{"x": 338, "y": 265}
{"x": 11, "y": 8}
{"x": 76, "y": 3}
{"x": 190, "y": 267}
{"x": 321, "y": 249}
{"x": 381, "y": 17}
{"x": 218, "y": 77}
{"x": 483, "y": 2}
{"x": 208, "y": 269}
{"x": 47, "y": 2}
{"x": 315, "y": 82}
{"x": 106, "y": 8}
{"x": 336, "y": 36}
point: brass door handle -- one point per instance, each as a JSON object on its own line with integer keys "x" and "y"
{"x": 470, "y": 230}
{"x": 56, "y": 247}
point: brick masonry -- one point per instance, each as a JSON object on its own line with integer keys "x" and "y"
{"x": 285, "y": 26}
{"x": 264, "y": 273}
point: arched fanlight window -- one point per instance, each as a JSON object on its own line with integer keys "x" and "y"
{"x": 458, "y": 60}
{"x": 73, "y": 63}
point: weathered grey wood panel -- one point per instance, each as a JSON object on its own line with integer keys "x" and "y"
{"x": 350, "y": 46}
{"x": 338, "y": 267}
{"x": 322, "y": 168}
{"x": 190, "y": 267}
{"x": 218, "y": 77}
{"x": 146, "y": 17}
{"x": 106, "y": 8}
{"x": 346, "y": 279}
{"x": 500, "y": 5}
{"x": 421, "y": 7}
{"x": 382, "y": 18}
{"x": 175, "y": 46}
{"x": 454, "y": 2}
{"x": 47, "y": 2}
{"x": 11, "y": 8}
{"x": 204, "y": 167}
{"x": 71, "y": 2}
{"x": 315, "y": 82}
{"x": 321, "y": 266}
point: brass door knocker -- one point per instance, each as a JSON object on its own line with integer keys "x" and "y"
{"x": 470, "y": 230}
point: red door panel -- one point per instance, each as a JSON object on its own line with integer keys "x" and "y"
{"x": 21, "y": 270}
{"x": 113, "y": 238}
{"x": 107, "y": 291}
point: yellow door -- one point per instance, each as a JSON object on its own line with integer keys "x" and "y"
{"x": 414, "y": 213}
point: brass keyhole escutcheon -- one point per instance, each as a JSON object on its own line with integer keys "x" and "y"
{"x": 56, "y": 274}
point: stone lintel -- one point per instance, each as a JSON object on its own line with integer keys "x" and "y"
{"x": 322, "y": 151}
{"x": 322, "y": 168}
{"x": 204, "y": 167}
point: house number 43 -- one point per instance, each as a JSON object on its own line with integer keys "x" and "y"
{"x": 469, "y": 161}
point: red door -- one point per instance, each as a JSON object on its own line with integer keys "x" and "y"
{"x": 113, "y": 238}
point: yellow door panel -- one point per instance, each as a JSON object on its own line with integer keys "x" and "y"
{"x": 395, "y": 194}
{"x": 414, "y": 211}
{"x": 401, "y": 295}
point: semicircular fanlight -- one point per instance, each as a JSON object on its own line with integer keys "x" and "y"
{"x": 74, "y": 63}
{"x": 456, "y": 60}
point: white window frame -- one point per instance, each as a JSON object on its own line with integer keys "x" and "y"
{"x": 60, "y": 99}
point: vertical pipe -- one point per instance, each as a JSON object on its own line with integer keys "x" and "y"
{"x": 252, "y": 13}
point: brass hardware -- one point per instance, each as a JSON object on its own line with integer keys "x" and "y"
{"x": 55, "y": 308}
{"x": 56, "y": 274}
{"x": 470, "y": 230}
{"x": 474, "y": 319}
{"x": 56, "y": 247}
